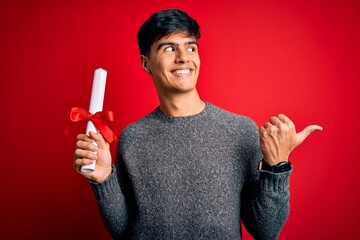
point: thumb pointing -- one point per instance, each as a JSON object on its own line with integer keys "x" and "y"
{"x": 307, "y": 131}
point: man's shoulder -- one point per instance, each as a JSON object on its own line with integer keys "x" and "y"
{"x": 230, "y": 119}
{"x": 240, "y": 128}
{"x": 140, "y": 126}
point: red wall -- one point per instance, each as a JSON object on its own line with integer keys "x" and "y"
{"x": 259, "y": 58}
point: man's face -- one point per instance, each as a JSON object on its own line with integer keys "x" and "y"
{"x": 173, "y": 64}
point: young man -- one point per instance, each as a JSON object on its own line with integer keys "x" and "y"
{"x": 190, "y": 170}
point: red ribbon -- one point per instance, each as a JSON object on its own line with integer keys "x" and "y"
{"x": 99, "y": 119}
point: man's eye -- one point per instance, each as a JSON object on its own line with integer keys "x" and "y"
{"x": 191, "y": 49}
{"x": 169, "y": 49}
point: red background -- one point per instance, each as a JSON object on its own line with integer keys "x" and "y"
{"x": 259, "y": 58}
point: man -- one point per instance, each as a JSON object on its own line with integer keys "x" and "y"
{"x": 190, "y": 170}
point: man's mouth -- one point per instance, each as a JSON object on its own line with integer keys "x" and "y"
{"x": 182, "y": 71}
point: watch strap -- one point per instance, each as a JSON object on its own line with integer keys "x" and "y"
{"x": 277, "y": 168}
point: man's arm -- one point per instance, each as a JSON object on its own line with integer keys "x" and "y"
{"x": 104, "y": 182}
{"x": 112, "y": 205}
{"x": 265, "y": 197}
{"x": 265, "y": 204}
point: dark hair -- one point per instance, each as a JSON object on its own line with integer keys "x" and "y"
{"x": 162, "y": 24}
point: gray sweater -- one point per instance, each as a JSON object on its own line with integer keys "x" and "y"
{"x": 192, "y": 177}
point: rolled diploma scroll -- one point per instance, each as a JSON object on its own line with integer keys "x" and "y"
{"x": 96, "y": 105}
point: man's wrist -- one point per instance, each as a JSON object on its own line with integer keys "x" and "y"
{"x": 102, "y": 177}
{"x": 281, "y": 167}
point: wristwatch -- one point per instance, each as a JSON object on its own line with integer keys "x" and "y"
{"x": 278, "y": 168}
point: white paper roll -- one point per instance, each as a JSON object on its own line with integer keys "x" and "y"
{"x": 96, "y": 105}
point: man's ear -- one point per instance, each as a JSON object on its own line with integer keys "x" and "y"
{"x": 144, "y": 63}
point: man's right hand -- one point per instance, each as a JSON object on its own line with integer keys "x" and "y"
{"x": 87, "y": 152}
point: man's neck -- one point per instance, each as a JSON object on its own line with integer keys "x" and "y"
{"x": 182, "y": 105}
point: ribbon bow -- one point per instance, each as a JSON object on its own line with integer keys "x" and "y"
{"x": 99, "y": 120}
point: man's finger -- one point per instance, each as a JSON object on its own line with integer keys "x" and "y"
{"x": 84, "y": 137}
{"x": 285, "y": 119}
{"x": 276, "y": 121}
{"x": 266, "y": 125}
{"x": 98, "y": 138}
{"x": 307, "y": 131}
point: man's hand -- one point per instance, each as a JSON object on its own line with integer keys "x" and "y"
{"x": 87, "y": 152}
{"x": 278, "y": 138}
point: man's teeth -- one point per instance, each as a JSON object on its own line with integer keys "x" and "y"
{"x": 183, "y": 71}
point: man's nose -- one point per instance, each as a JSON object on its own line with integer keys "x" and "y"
{"x": 181, "y": 56}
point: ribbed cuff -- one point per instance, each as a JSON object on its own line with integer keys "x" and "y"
{"x": 109, "y": 187}
{"x": 276, "y": 182}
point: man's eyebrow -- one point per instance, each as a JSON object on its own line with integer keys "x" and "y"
{"x": 173, "y": 44}
{"x": 164, "y": 44}
{"x": 192, "y": 43}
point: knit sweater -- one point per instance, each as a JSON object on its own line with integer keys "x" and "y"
{"x": 192, "y": 177}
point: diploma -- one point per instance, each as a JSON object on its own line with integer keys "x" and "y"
{"x": 96, "y": 105}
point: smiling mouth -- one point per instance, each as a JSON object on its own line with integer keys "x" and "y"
{"x": 182, "y": 72}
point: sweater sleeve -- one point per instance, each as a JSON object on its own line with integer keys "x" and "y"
{"x": 265, "y": 205}
{"x": 112, "y": 205}
{"x": 264, "y": 198}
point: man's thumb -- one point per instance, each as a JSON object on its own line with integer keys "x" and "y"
{"x": 98, "y": 138}
{"x": 307, "y": 131}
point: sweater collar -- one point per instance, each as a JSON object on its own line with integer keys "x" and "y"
{"x": 167, "y": 118}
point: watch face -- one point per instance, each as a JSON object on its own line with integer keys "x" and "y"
{"x": 282, "y": 167}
